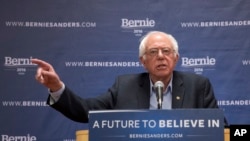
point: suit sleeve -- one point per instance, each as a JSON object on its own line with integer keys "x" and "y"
{"x": 210, "y": 100}
{"x": 209, "y": 97}
{"x": 76, "y": 108}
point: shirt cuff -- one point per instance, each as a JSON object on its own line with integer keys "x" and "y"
{"x": 55, "y": 96}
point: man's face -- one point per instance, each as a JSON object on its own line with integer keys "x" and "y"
{"x": 160, "y": 58}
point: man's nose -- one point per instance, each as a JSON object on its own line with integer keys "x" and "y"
{"x": 160, "y": 54}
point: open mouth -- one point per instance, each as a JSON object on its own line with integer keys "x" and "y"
{"x": 161, "y": 66}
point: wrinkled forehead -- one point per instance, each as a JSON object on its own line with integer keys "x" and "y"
{"x": 158, "y": 41}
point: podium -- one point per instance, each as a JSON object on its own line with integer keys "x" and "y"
{"x": 151, "y": 125}
{"x": 82, "y": 135}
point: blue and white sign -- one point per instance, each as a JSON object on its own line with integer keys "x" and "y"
{"x": 160, "y": 125}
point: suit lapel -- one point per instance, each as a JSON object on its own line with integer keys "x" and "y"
{"x": 178, "y": 91}
{"x": 143, "y": 95}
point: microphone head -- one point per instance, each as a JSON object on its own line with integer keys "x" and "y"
{"x": 159, "y": 84}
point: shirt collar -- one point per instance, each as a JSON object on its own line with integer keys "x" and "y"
{"x": 169, "y": 87}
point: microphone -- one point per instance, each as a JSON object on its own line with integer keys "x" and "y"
{"x": 158, "y": 87}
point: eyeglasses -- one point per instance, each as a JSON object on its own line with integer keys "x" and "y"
{"x": 155, "y": 51}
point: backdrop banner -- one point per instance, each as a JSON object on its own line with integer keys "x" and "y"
{"x": 90, "y": 42}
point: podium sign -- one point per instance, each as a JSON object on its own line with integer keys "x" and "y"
{"x": 157, "y": 125}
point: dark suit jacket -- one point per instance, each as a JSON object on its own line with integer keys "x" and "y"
{"x": 132, "y": 91}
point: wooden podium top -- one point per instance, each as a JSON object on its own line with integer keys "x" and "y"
{"x": 83, "y": 135}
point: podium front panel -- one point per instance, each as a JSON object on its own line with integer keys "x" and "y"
{"x": 157, "y": 125}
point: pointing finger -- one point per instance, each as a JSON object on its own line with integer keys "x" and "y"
{"x": 42, "y": 64}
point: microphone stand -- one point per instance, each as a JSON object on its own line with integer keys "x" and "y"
{"x": 159, "y": 105}
{"x": 158, "y": 86}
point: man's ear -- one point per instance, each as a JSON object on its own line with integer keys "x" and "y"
{"x": 142, "y": 60}
{"x": 176, "y": 58}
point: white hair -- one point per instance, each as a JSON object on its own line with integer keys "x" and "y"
{"x": 144, "y": 39}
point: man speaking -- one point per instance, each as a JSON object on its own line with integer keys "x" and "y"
{"x": 158, "y": 53}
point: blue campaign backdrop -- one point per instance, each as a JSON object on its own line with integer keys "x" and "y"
{"x": 90, "y": 42}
